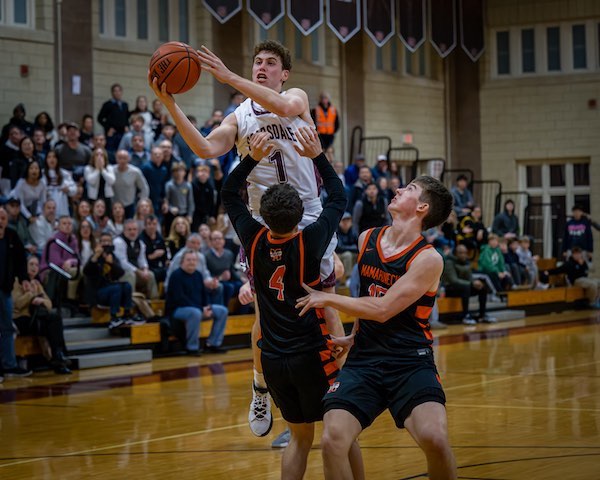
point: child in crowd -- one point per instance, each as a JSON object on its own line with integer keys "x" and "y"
{"x": 530, "y": 262}
{"x": 491, "y": 262}
{"x": 179, "y": 199}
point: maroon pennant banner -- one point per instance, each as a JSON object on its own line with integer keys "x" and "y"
{"x": 442, "y": 25}
{"x": 307, "y": 15}
{"x": 266, "y": 12}
{"x": 223, "y": 10}
{"x": 471, "y": 28}
{"x": 343, "y": 17}
{"x": 379, "y": 18}
{"x": 411, "y": 23}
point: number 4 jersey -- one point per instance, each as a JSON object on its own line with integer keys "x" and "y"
{"x": 283, "y": 165}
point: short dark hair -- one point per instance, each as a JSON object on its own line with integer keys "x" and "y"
{"x": 439, "y": 199}
{"x": 462, "y": 176}
{"x": 278, "y": 49}
{"x": 281, "y": 208}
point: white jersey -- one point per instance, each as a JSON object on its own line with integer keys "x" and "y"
{"x": 283, "y": 165}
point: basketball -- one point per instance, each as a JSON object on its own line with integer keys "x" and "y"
{"x": 177, "y": 65}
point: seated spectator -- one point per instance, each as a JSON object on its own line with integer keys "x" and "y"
{"x": 506, "y": 223}
{"x": 137, "y": 127}
{"x": 99, "y": 218}
{"x": 351, "y": 173}
{"x": 41, "y": 147}
{"x": 142, "y": 210}
{"x": 156, "y": 250}
{"x": 578, "y": 233}
{"x": 458, "y": 281}
{"x": 99, "y": 141}
{"x": 141, "y": 108}
{"x": 463, "y": 198}
{"x": 19, "y": 224}
{"x": 59, "y": 183}
{"x": 371, "y": 210}
{"x": 511, "y": 261}
{"x": 86, "y": 135}
{"x": 576, "y": 269}
{"x": 178, "y": 234}
{"x": 82, "y": 211}
{"x": 471, "y": 230}
{"x": 170, "y": 158}
{"x": 157, "y": 175}
{"x": 139, "y": 153}
{"x": 9, "y": 153}
{"x": 86, "y": 241}
{"x": 54, "y": 254}
{"x": 383, "y": 185}
{"x": 530, "y": 262}
{"x": 131, "y": 252}
{"x": 365, "y": 178}
{"x": 103, "y": 286}
{"x": 44, "y": 122}
{"x": 381, "y": 169}
{"x": 33, "y": 315}
{"x": 221, "y": 265}
{"x": 178, "y": 196}
{"x": 117, "y": 218}
{"x": 450, "y": 229}
{"x": 31, "y": 191}
{"x": 224, "y": 225}
{"x": 73, "y": 154}
{"x": 205, "y": 198}
{"x": 130, "y": 184}
{"x": 187, "y": 303}
{"x": 168, "y": 133}
{"x": 100, "y": 178}
{"x": 159, "y": 118}
{"x": 20, "y": 163}
{"x": 44, "y": 226}
{"x": 491, "y": 262}
{"x": 347, "y": 245}
{"x": 204, "y": 232}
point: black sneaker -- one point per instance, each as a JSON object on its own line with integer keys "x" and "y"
{"x": 136, "y": 320}
{"x": 211, "y": 349}
{"x": 115, "y": 323}
{"x": 194, "y": 353}
{"x": 17, "y": 372}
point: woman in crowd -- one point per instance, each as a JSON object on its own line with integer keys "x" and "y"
{"x": 87, "y": 244}
{"x": 99, "y": 218}
{"x": 178, "y": 234}
{"x": 82, "y": 211}
{"x": 33, "y": 315}
{"x": 31, "y": 191}
{"x": 159, "y": 117}
{"x": 143, "y": 209}
{"x": 471, "y": 231}
{"x": 43, "y": 121}
{"x": 86, "y": 135}
{"x": 141, "y": 108}
{"x": 19, "y": 164}
{"x": 204, "y": 232}
{"x": 59, "y": 184}
{"x": 99, "y": 177}
{"x": 506, "y": 223}
{"x": 117, "y": 218}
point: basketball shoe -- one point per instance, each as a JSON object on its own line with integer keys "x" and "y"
{"x": 259, "y": 416}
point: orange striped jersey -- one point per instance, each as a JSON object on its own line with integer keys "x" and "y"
{"x": 409, "y": 329}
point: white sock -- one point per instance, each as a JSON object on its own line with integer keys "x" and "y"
{"x": 259, "y": 379}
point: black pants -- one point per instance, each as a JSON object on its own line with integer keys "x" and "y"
{"x": 49, "y": 326}
{"x": 465, "y": 292}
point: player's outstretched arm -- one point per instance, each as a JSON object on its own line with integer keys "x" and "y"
{"x": 217, "y": 143}
{"x": 422, "y": 276}
{"x": 294, "y": 103}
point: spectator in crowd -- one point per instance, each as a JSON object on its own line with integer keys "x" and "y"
{"x": 530, "y": 262}
{"x": 131, "y": 252}
{"x": 73, "y": 155}
{"x": 114, "y": 117}
{"x": 141, "y": 109}
{"x": 159, "y": 118}
{"x": 462, "y": 196}
{"x": 85, "y": 241}
{"x": 578, "y": 233}
{"x": 169, "y": 157}
{"x": 347, "y": 245}
{"x": 100, "y": 178}
{"x": 59, "y": 183}
{"x": 383, "y": 185}
{"x": 62, "y": 135}
{"x": 55, "y": 254}
{"x": 178, "y": 234}
{"x": 458, "y": 281}
{"x": 26, "y": 156}
{"x": 168, "y": 133}
{"x": 40, "y": 145}
{"x": 9, "y": 153}
{"x": 221, "y": 265}
{"x": 576, "y": 268}
{"x": 143, "y": 209}
{"x": 130, "y": 183}
{"x": 511, "y": 260}
{"x": 471, "y": 230}
{"x": 326, "y": 120}
{"x": 44, "y": 122}
{"x": 12, "y": 266}
{"x": 103, "y": 272}
{"x": 86, "y": 135}
{"x": 351, "y": 173}
{"x": 33, "y": 315}
{"x": 137, "y": 128}
{"x": 99, "y": 141}
{"x": 450, "y": 229}
{"x": 506, "y": 223}
{"x": 382, "y": 168}
{"x": 491, "y": 262}
{"x": 371, "y": 210}
{"x": 365, "y": 178}
{"x": 44, "y": 226}
{"x": 18, "y": 119}
{"x": 204, "y": 232}
{"x": 156, "y": 250}
{"x": 31, "y": 191}
{"x": 156, "y": 174}
{"x": 139, "y": 155}
{"x": 117, "y": 218}
{"x": 224, "y": 225}
{"x": 19, "y": 224}
{"x": 235, "y": 100}
{"x": 213, "y": 122}
{"x": 188, "y": 303}
{"x": 179, "y": 197}
{"x": 99, "y": 218}
{"x": 82, "y": 211}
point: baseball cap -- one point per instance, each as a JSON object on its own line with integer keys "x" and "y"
{"x": 382, "y": 158}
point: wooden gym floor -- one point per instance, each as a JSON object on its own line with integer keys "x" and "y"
{"x": 523, "y": 403}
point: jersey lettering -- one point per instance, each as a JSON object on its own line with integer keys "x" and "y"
{"x": 377, "y": 290}
{"x": 276, "y": 282}
{"x": 277, "y": 158}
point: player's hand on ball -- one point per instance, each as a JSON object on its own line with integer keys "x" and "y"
{"x": 214, "y": 65}
{"x": 260, "y": 145}
{"x": 314, "y": 299}
{"x": 309, "y": 141}
{"x": 161, "y": 91}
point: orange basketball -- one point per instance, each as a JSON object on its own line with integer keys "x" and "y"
{"x": 177, "y": 65}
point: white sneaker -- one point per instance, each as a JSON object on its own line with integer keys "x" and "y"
{"x": 259, "y": 416}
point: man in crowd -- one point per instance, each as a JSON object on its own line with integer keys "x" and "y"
{"x": 130, "y": 184}
{"x": 114, "y": 117}
{"x": 44, "y": 226}
{"x": 462, "y": 196}
{"x": 19, "y": 224}
{"x": 73, "y": 154}
{"x": 326, "y": 119}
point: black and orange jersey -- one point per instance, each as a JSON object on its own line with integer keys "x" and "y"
{"x": 409, "y": 329}
{"x": 280, "y": 266}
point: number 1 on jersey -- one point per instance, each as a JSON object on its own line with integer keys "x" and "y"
{"x": 276, "y": 281}
{"x": 277, "y": 158}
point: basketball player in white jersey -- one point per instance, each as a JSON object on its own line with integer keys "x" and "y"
{"x": 279, "y": 113}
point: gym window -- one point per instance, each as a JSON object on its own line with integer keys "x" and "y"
{"x": 17, "y": 13}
